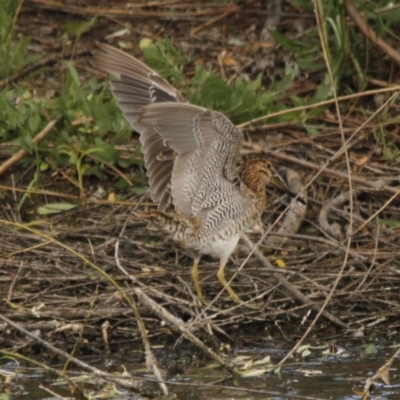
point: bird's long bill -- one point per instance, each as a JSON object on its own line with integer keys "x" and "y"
{"x": 278, "y": 182}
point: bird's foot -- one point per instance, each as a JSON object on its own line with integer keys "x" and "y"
{"x": 238, "y": 300}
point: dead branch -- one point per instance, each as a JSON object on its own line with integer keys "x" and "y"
{"x": 288, "y": 286}
{"x": 22, "y": 153}
{"x": 370, "y": 33}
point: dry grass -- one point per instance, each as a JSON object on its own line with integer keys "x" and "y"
{"x": 70, "y": 274}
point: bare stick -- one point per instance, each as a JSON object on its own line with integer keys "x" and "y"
{"x": 383, "y": 373}
{"x": 22, "y": 153}
{"x": 151, "y": 361}
{"x": 288, "y": 286}
{"x": 97, "y": 372}
{"x": 370, "y": 33}
{"x": 177, "y": 323}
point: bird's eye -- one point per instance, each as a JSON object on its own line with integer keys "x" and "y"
{"x": 267, "y": 167}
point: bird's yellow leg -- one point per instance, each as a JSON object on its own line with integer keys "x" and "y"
{"x": 195, "y": 277}
{"x": 234, "y": 296}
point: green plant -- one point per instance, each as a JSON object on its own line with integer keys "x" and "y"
{"x": 89, "y": 125}
{"x": 12, "y": 49}
{"x": 390, "y": 150}
{"x": 240, "y": 100}
{"x": 347, "y": 48}
{"x": 165, "y": 59}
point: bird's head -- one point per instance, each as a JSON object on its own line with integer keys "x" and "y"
{"x": 257, "y": 172}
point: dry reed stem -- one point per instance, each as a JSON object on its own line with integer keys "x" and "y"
{"x": 51, "y": 289}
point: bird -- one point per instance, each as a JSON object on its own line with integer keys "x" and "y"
{"x": 191, "y": 155}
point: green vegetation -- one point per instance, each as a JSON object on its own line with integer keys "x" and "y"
{"x": 89, "y": 124}
{"x": 240, "y": 101}
{"x": 12, "y": 52}
{"x": 348, "y": 51}
{"x": 89, "y": 121}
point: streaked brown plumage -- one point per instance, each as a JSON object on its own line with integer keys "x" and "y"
{"x": 190, "y": 154}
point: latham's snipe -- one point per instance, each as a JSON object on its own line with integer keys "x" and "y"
{"x": 191, "y": 156}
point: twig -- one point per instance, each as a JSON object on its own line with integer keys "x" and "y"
{"x": 52, "y": 392}
{"x": 163, "y": 314}
{"x": 151, "y": 361}
{"x": 320, "y": 104}
{"x": 287, "y": 285}
{"x": 212, "y": 21}
{"x": 27, "y": 70}
{"x": 37, "y": 65}
{"x": 22, "y": 153}
{"x": 97, "y": 372}
{"x": 135, "y": 11}
{"x": 112, "y": 167}
{"x": 370, "y": 33}
{"x": 319, "y": 17}
{"x": 326, "y": 171}
{"x": 383, "y": 373}
{"x": 177, "y": 323}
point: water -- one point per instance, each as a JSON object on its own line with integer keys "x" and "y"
{"x": 313, "y": 373}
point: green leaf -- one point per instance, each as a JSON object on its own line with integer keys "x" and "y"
{"x": 312, "y": 131}
{"x": 43, "y": 166}
{"x": 55, "y": 208}
{"x": 139, "y": 190}
{"x": 78, "y": 28}
{"x": 370, "y": 349}
{"x": 73, "y": 74}
{"x": 390, "y": 222}
{"x": 282, "y": 40}
{"x": 324, "y": 90}
{"x": 105, "y": 151}
{"x": 165, "y": 59}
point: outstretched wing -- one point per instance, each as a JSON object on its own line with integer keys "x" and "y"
{"x": 138, "y": 86}
{"x": 206, "y": 144}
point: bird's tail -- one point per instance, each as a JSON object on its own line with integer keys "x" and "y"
{"x": 170, "y": 223}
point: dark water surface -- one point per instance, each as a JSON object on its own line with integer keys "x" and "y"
{"x": 315, "y": 374}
